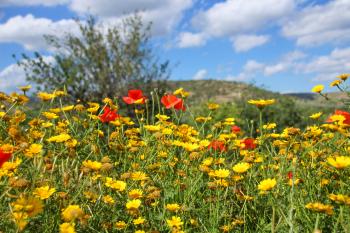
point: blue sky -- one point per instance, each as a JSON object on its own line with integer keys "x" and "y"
{"x": 282, "y": 45}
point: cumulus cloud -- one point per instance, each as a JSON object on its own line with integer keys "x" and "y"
{"x": 164, "y": 15}
{"x": 319, "y": 68}
{"x": 188, "y": 39}
{"x": 13, "y": 76}
{"x": 319, "y": 24}
{"x": 328, "y": 66}
{"x": 200, "y": 75}
{"x": 28, "y": 30}
{"x": 244, "y": 43}
{"x": 4, "y": 3}
{"x": 250, "y": 70}
{"x": 232, "y": 18}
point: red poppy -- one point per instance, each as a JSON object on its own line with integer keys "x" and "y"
{"x": 171, "y": 101}
{"x": 4, "y": 157}
{"x": 217, "y": 145}
{"x": 290, "y": 175}
{"x": 346, "y": 115}
{"x": 134, "y": 97}
{"x": 235, "y": 129}
{"x": 108, "y": 115}
{"x": 249, "y": 143}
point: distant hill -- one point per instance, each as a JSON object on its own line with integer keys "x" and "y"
{"x": 202, "y": 91}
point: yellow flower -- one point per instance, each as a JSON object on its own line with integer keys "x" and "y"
{"x": 31, "y": 206}
{"x": 115, "y": 184}
{"x": 220, "y": 173}
{"x": 319, "y": 207}
{"x": 203, "y": 119}
{"x": 173, "y": 207}
{"x": 44, "y": 192}
{"x": 135, "y": 194}
{"x": 120, "y": 225}
{"x": 59, "y": 93}
{"x": 140, "y": 176}
{"x": 267, "y": 184}
{"x": 340, "y": 198}
{"x": 162, "y": 117}
{"x": 317, "y": 88}
{"x": 44, "y": 96}
{"x": 25, "y": 88}
{"x": 335, "y": 83}
{"x": 93, "y": 165}
{"x": 294, "y": 182}
{"x": 71, "y": 143}
{"x": 181, "y": 92}
{"x": 269, "y": 126}
{"x": 241, "y": 167}
{"x": 152, "y": 128}
{"x": 316, "y": 115}
{"x": 67, "y": 228}
{"x": 59, "y": 138}
{"x": 50, "y": 115}
{"x": 34, "y": 149}
{"x": 213, "y": 106}
{"x": 68, "y": 108}
{"x": 139, "y": 221}
{"x": 174, "y": 222}
{"x": 108, "y": 199}
{"x": 261, "y": 103}
{"x": 133, "y": 204}
{"x": 339, "y": 162}
{"x": 21, "y": 220}
{"x": 343, "y": 76}
{"x": 229, "y": 121}
{"x": 72, "y": 212}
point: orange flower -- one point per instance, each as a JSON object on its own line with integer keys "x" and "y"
{"x": 345, "y": 114}
{"x": 171, "y": 101}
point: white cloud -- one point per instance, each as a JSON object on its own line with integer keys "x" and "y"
{"x": 250, "y": 70}
{"x": 32, "y": 2}
{"x": 327, "y": 67}
{"x": 244, "y": 43}
{"x": 188, "y": 39}
{"x": 319, "y": 68}
{"x": 274, "y": 69}
{"x": 164, "y": 15}
{"x": 319, "y": 24}
{"x": 28, "y": 30}
{"x": 200, "y": 75}
{"x": 236, "y": 17}
{"x": 252, "y": 66}
{"x": 11, "y": 77}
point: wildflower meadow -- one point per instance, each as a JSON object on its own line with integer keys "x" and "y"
{"x": 91, "y": 167}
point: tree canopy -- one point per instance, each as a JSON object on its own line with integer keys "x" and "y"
{"x": 99, "y": 61}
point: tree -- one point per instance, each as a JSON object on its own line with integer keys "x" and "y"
{"x": 99, "y": 63}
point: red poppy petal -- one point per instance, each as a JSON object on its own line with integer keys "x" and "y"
{"x": 170, "y": 101}
{"x": 4, "y": 157}
{"x": 128, "y": 100}
{"x": 135, "y": 94}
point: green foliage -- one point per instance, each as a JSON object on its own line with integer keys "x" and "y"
{"x": 99, "y": 63}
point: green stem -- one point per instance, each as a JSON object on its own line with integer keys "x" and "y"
{"x": 273, "y": 219}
